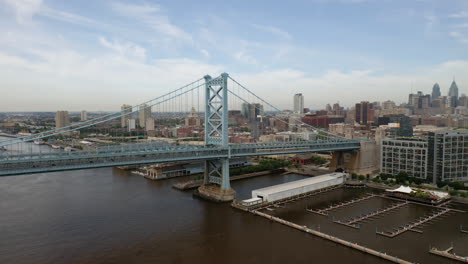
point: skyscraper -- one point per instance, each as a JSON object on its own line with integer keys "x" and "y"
{"x": 84, "y": 115}
{"x": 143, "y": 114}
{"x": 124, "y": 119}
{"x": 299, "y": 103}
{"x": 435, "y": 91}
{"x": 453, "y": 93}
{"x": 363, "y": 113}
{"x": 62, "y": 119}
{"x": 420, "y": 103}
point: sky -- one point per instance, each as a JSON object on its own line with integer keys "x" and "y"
{"x": 98, "y": 55}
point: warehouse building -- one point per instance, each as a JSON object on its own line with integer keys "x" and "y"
{"x": 285, "y": 190}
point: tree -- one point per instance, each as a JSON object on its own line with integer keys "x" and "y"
{"x": 361, "y": 177}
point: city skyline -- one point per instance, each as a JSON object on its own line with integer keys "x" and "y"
{"x": 127, "y": 52}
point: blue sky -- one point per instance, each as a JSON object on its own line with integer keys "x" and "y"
{"x": 97, "y": 55}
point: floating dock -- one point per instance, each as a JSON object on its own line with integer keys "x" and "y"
{"x": 411, "y": 226}
{"x": 334, "y": 239}
{"x": 354, "y": 221}
{"x": 446, "y": 253}
{"x": 336, "y": 206}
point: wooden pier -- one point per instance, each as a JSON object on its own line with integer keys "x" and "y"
{"x": 332, "y": 207}
{"x": 446, "y": 253}
{"x": 411, "y": 226}
{"x": 354, "y": 221}
{"x": 334, "y": 239}
{"x": 462, "y": 230}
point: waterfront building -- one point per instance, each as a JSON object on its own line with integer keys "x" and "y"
{"x": 62, "y": 119}
{"x": 84, "y": 115}
{"x": 441, "y": 156}
{"x": 448, "y": 155}
{"x": 299, "y": 103}
{"x": 143, "y": 114}
{"x": 124, "y": 119}
{"x": 404, "y": 155}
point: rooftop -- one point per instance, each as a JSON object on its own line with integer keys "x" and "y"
{"x": 300, "y": 183}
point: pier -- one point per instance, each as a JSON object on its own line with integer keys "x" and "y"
{"x": 411, "y": 226}
{"x": 353, "y": 222}
{"x": 332, "y": 207}
{"x": 446, "y": 253}
{"x": 334, "y": 239}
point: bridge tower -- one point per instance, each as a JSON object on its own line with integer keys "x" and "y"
{"x": 216, "y": 183}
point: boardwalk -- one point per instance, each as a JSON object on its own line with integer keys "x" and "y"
{"x": 336, "y": 206}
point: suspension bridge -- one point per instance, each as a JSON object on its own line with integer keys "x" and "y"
{"x": 213, "y": 97}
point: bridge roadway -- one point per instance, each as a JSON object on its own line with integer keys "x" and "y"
{"x": 138, "y": 154}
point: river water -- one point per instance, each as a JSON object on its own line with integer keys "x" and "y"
{"x": 111, "y": 216}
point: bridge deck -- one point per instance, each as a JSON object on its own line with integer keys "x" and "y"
{"x": 155, "y": 153}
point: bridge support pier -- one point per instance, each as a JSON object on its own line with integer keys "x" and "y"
{"x": 216, "y": 185}
{"x": 365, "y": 161}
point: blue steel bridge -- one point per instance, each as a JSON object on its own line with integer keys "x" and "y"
{"x": 212, "y": 97}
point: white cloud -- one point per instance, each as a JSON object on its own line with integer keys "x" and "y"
{"x": 151, "y": 16}
{"x": 126, "y": 49}
{"x": 243, "y": 57}
{"x": 274, "y": 30}
{"x": 461, "y": 14}
{"x": 459, "y": 36}
{"x": 24, "y": 9}
{"x": 350, "y": 87}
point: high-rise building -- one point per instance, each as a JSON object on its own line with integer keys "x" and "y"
{"x": 453, "y": 93}
{"x": 62, "y": 119}
{"x": 299, "y": 103}
{"x": 419, "y": 102}
{"x": 131, "y": 124}
{"x": 463, "y": 101}
{"x": 404, "y": 155}
{"x": 84, "y": 115}
{"x": 124, "y": 119}
{"x": 400, "y": 125}
{"x": 252, "y": 111}
{"x": 364, "y": 113}
{"x": 439, "y": 157}
{"x": 193, "y": 119}
{"x": 447, "y": 155}
{"x": 149, "y": 124}
{"x": 143, "y": 114}
{"x": 435, "y": 91}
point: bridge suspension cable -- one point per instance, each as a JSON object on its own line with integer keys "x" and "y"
{"x": 331, "y": 135}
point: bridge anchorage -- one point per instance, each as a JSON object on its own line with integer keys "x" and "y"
{"x": 109, "y": 140}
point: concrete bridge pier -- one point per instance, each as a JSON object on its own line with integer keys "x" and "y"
{"x": 216, "y": 184}
{"x": 365, "y": 161}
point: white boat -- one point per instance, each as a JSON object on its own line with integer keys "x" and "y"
{"x": 39, "y": 142}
